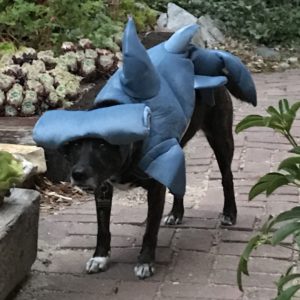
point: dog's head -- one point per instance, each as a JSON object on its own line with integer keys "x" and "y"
{"x": 93, "y": 161}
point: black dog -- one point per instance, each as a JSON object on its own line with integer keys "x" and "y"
{"x": 99, "y": 165}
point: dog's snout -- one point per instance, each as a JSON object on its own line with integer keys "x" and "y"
{"x": 79, "y": 174}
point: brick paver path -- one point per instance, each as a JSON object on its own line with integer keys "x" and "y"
{"x": 196, "y": 260}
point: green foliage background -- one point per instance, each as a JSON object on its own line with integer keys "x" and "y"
{"x": 44, "y": 24}
{"x": 265, "y": 21}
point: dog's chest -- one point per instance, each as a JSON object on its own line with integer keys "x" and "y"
{"x": 121, "y": 183}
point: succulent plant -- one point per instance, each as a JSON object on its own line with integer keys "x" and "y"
{"x": 6, "y": 82}
{"x": 32, "y": 82}
{"x": 15, "y": 95}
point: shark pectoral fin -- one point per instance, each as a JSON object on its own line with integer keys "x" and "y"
{"x": 208, "y": 82}
{"x": 166, "y": 163}
{"x": 240, "y": 82}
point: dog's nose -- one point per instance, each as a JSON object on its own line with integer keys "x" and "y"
{"x": 79, "y": 174}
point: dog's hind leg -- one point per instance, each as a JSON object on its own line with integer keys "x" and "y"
{"x": 156, "y": 200}
{"x": 100, "y": 260}
{"x": 176, "y": 214}
{"x": 218, "y": 130}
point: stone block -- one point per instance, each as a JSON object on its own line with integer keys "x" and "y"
{"x": 18, "y": 237}
{"x": 33, "y": 154}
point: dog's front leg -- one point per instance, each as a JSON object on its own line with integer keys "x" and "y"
{"x": 156, "y": 200}
{"x": 100, "y": 260}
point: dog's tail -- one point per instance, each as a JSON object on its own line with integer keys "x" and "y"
{"x": 221, "y": 63}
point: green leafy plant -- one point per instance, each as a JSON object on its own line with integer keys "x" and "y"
{"x": 277, "y": 228}
{"x": 46, "y": 24}
{"x": 265, "y": 21}
{"x": 11, "y": 171}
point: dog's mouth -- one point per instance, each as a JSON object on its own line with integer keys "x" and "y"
{"x": 86, "y": 185}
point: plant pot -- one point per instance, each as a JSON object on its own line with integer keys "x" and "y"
{"x": 19, "y": 216}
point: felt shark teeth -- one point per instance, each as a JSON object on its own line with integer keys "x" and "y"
{"x": 139, "y": 77}
{"x": 180, "y": 40}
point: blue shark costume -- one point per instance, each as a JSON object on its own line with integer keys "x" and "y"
{"x": 157, "y": 91}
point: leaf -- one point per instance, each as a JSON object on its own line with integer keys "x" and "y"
{"x": 275, "y": 184}
{"x": 286, "y": 105}
{"x": 288, "y": 293}
{"x": 243, "y": 263}
{"x": 250, "y": 121}
{"x": 280, "y": 234}
{"x": 295, "y": 107}
{"x": 285, "y": 279}
{"x": 267, "y": 181}
{"x": 289, "y": 162}
{"x": 280, "y": 105}
{"x": 295, "y": 150}
{"x": 291, "y": 214}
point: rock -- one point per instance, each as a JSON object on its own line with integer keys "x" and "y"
{"x": 19, "y": 217}
{"x": 293, "y": 60}
{"x": 162, "y": 22}
{"x": 178, "y": 17}
{"x": 268, "y": 53}
{"x": 209, "y": 36}
{"x": 35, "y": 155}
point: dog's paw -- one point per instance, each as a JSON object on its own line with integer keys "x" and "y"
{"x": 143, "y": 271}
{"x": 227, "y": 220}
{"x": 171, "y": 219}
{"x": 97, "y": 264}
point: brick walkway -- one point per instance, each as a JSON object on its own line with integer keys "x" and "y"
{"x": 196, "y": 260}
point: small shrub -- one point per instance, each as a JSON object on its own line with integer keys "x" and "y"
{"x": 276, "y": 229}
{"x": 46, "y": 24}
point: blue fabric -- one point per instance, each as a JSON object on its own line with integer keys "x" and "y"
{"x": 216, "y": 62}
{"x": 209, "y": 82}
{"x": 118, "y": 125}
{"x": 137, "y": 63}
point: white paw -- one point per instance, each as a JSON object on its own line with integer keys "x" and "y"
{"x": 143, "y": 271}
{"x": 97, "y": 264}
{"x": 172, "y": 220}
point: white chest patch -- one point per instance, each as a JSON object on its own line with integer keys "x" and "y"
{"x": 121, "y": 186}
